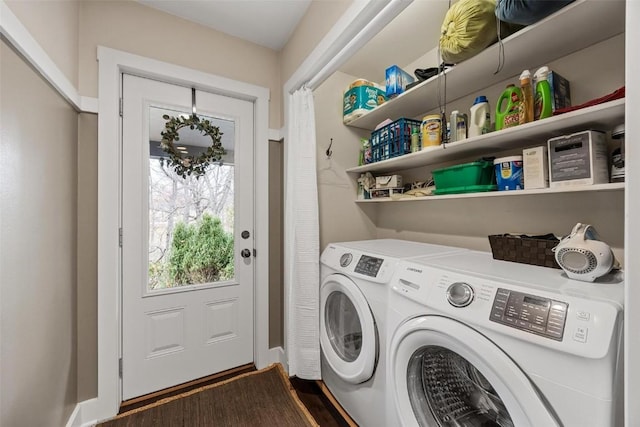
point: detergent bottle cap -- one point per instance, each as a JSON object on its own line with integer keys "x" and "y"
{"x": 542, "y": 73}
{"x": 525, "y": 75}
{"x": 480, "y": 99}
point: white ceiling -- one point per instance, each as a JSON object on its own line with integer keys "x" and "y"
{"x": 268, "y": 23}
{"x": 408, "y": 37}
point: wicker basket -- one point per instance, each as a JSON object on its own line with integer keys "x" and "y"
{"x": 525, "y": 250}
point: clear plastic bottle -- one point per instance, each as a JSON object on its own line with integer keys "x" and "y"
{"x": 479, "y": 117}
{"x": 459, "y": 123}
{"x": 542, "y": 104}
{"x": 526, "y": 106}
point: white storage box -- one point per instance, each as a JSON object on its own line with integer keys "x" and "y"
{"x": 536, "y": 167}
{"x": 578, "y": 159}
{"x": 389, "y": 181}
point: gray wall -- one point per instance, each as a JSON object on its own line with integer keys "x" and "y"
{"x": 38, "y": 179}
{"x": 276, "y": 249}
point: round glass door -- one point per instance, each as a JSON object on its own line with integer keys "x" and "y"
{"x": 343, "y": 326}
{"x": 445, "y": 374}
{"x": 348, "y": 335}
{"x": 446, "y": 388}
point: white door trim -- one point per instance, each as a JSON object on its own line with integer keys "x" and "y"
{"x": 111, "y": 64}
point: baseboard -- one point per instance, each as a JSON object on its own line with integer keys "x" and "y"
{"x": 276, "y": 355}
{"x": 82, "y": 415}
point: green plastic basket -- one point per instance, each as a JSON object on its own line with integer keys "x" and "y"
{"x": 465, "y": 178}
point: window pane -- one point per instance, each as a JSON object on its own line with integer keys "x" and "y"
{"x": 191, "y": 221}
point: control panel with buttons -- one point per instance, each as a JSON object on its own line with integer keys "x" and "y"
{"x": 368, "y": 265}
{"x": 541, "y": 316}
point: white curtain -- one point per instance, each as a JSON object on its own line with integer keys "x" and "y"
{"x": 302, "y": 241}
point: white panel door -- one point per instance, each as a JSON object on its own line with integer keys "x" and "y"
{"x": 187, "y": 280}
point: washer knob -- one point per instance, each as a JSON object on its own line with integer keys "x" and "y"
{"x": 345, "y": 259}
{"x": 459, "y": 294}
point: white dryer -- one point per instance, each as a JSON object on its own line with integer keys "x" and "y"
{"x": 354, "y": 289}
{"x": 480, "y": 342}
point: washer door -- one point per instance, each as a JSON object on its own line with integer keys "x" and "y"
{"x": 448, "y": 374}
{"x": 348, "y": 334}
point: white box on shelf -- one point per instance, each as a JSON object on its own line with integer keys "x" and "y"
{"x": 536, "y": 167}
{"x": 578, "y": 159}
{"x": 389, "y": 181}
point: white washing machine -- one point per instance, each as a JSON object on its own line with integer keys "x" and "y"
{"x": 354, "y": 289}
{"x": 480, "y": 342}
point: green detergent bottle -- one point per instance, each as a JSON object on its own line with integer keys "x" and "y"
{"x": 542, "y": 107}
{"x": 507, "y": 108}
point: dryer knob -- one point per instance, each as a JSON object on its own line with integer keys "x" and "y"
{"x": 459, "y": 294}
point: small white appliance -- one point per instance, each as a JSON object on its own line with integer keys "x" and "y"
{"x": 477, "y": 341}
{"x": 583, "y": 256}
{"x": 354, "y": 290}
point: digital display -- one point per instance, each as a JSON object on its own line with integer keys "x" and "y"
{"x": 368, "y": 265}
{"x": 536, "y": 301}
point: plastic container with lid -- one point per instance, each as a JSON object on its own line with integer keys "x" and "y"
{"x": 431, "y": 130}
{"x": 509, "y": 174}
{"x": 466, "y": 178}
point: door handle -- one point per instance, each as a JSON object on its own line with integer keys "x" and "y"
{"x": 245, "y": 253}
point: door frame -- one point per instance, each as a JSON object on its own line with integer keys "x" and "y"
{"x": 112, "y": 63}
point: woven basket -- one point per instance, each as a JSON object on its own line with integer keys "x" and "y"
{"x": 524, "y": 250}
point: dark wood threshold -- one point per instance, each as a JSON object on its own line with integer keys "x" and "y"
{"x": 138, "y": 402}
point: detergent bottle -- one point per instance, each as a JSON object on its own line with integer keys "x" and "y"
{"x": 526, "y": 106}
{"x": 542, "y": 104}
{"x": 459, "y": 123}
{"x": 507, "y": 114}
{"x": 479, "y": 117}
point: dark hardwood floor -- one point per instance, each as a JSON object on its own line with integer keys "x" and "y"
{"x": 325, "y": 412}
{"x": 322, "y": 409}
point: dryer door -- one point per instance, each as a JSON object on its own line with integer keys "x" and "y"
{"x": 445, "y": 373}
{"x": 348, "y": 334}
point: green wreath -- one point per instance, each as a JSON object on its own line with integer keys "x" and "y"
{"x": 187, "y": 165}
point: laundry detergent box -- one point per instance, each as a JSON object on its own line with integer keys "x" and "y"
{"x": 535, "y": 165}
{"x": 578, "y": 159}
{"x": 361, "y": 96}
{"x": 397, "y": 80}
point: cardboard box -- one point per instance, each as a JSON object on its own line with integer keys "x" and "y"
{"x": 390, "y": 181}
{"x": 578, "y": 159}
{"x": 381, "y": 193}
{"x": 396, "y": 80}
{"x": 536, "y": 167}
{"x": 360, "y": 97}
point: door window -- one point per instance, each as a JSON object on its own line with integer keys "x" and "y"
{"x": 446, "y": 388}
{"x": 343, "y": 326}
{"x": 191, "y": 236}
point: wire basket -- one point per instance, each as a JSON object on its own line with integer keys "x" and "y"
{"x": 524, "y": 249}
{"x": 393, "y": 140}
